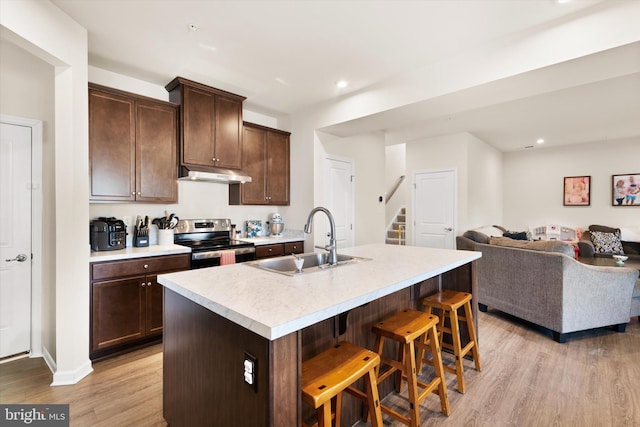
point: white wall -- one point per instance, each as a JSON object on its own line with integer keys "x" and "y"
{"x": 395, "y": 166}
{"x": 43, "y": 30}
{"x": 533, "y": 182}
{"x": 368, "y": 154}
{"x": 27, "y": 87}
{"x": 484, "y": 185}
{"x": 478, "y": 169}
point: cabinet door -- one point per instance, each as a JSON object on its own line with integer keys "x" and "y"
{"x": 228, "y": 132}
{"x": 199, "y": 127}
{"x": 278, "y": 168}
{"x": 254, "y": 148}
{"x": 156, "y": 152}
{"x": 118, "y": 312}
{"x": 268, "y": 251}
{"x": 154, "y": 306}
{"x": 111, "y": 147}
{"x": 293, "y": 248}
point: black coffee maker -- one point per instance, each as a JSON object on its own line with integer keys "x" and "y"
{"x": 107, "y": 234}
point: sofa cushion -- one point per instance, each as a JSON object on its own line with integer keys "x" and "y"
{"x": 607, "y": 243}
{"x": 603, "y": 228}
{"x": 631, "y": 248}
{"x": 536, "y": 245}
{"x": 476, "y": 236}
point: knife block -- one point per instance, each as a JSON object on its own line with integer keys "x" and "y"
{"x": 140, "y": 238}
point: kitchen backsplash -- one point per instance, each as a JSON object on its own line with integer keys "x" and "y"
{"x": 196, "y": 200}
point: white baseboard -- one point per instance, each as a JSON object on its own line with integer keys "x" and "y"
{"x": 49, "y": 360}
{"x": 71, "y": 377}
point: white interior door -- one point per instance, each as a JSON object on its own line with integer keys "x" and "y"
{"x": 15, "y": 239}
{"x": 434, "y": 209}
{"x": 339, "y": 199}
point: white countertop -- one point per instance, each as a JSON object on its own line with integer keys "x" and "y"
{"x": 274, "y": 305}
{"x": 133, "y": 252}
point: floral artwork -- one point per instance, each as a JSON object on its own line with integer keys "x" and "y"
{"x": 626, "y": 190}
{"x": 577, "y": 191}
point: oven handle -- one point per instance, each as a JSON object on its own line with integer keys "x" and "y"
{"x": 217, "y": 254}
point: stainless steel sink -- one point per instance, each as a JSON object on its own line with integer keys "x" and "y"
{"x": 313, "y": 261}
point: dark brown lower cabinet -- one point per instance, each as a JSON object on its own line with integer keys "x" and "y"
{"x": 279, "y": 249}
{"x": 126, "y": 302}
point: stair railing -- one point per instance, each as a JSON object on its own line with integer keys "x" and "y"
{"x": 401, "y": 234}
{"x": 394, "y": 189}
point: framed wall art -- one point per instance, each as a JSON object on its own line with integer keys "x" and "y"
{"x": 625, "y": 189}
{"x": 577, "y": 191}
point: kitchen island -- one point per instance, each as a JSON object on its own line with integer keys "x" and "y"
{"x": 216, "y": 318}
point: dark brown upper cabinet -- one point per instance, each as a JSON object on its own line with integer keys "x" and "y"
{"x": 265, "y": 154}
{"x": 132, "y": 147}
{"x": 211, "y": 131}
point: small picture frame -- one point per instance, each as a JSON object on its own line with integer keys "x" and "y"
{"x": 577, "y": 191}
{"x": 625, "y": 189}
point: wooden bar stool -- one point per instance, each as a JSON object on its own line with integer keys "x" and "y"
{"x": 448, "y": 302}
{"x": 411, "y": 329}
{"x": 326, "y": 375}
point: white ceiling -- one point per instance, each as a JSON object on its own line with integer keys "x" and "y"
{"x": 285, "y": 56}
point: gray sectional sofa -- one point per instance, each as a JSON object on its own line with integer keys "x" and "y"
{"x": 541, "y": 282}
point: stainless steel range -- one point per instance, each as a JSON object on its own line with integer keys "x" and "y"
{"x": 208, "y": 238}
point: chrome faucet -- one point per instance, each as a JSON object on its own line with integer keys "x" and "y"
{"x": 332, "y": 247}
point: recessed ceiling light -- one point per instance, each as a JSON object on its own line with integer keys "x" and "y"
{"x": 540, "y": 141}
{"x": 341, "y": 84}
{"x": 563, "y": 1}
{"x": 192, "y": 27}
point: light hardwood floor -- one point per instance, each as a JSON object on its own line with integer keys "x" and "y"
{"x": 527, "y": 380}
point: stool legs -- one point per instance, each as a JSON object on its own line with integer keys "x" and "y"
{"x": 448, "y": 302}
{"x": 412, "y": 330}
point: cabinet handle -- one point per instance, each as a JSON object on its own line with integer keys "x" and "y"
{"x": 149, "y": 284}
{"x": 270, "y": 250}
{"x": 146, "y": 266}
{"x": 143, "y": 284}
{"x": 138, "y": 193}
{"x": 133, "y": 193}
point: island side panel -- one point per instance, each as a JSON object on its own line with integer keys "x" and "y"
{"x": 284, "y": 381}
{"x": 203, "y": 370}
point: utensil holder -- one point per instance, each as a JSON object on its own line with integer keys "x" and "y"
{"x": 165, "y": 237}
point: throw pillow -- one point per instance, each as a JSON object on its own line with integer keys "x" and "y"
{"x": 607, "y": 243}
{"x": 476, "y": 236}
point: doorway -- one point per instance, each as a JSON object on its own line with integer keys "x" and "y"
{"x": 20, "y": 236}
{"x": 434, "y": 196}
{"x": 338, "y": 198}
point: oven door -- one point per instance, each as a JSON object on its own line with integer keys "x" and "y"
{"x": 213, "y": 258}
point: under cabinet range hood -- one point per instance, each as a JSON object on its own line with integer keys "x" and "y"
{"x": 226, "y": 176}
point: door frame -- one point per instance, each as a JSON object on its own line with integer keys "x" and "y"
{"x": 327, "y": 158}
{"x": 413, "y": 199}
{"x": 36, "y": 226}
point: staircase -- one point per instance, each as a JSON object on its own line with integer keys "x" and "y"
{"x": 396, "y": 231}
